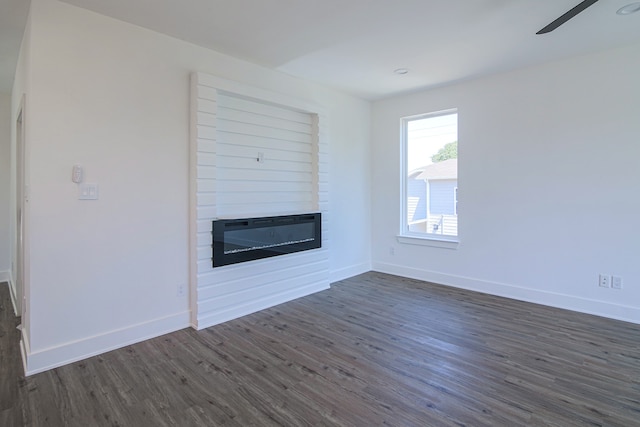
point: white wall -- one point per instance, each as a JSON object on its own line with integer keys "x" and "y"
{"x": 548, "y": 184}
{"x": 5, "y": 185}
{"x": 114, "y": 98}
{"x": 21, "y": 84}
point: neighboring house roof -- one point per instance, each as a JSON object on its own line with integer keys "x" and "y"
{"x": 447, "y": 169}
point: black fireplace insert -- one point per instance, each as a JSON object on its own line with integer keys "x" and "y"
{"x": 247, "y": 239}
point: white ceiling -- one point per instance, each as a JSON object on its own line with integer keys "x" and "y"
{"x": 354, "y": 45}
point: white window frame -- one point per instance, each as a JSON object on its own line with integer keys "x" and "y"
{"x": 455, "y": 201}
{"x": 405, "y": 236}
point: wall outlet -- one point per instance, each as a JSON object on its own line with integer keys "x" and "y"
{"x": 181, "y": 289}
{"x": 616, "y": 282}
{"x": 604, "y": 281}
{"x": 392, "y": 250}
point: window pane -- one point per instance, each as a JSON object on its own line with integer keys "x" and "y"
{"x": 432, "y": 174}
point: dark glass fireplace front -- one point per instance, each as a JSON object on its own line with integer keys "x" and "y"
{"x": 247, "y": 239}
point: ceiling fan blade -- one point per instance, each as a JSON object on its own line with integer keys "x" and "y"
{"x": 564, "y": 18}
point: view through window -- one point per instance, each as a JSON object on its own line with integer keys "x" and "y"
{"x": 431, "y": 174}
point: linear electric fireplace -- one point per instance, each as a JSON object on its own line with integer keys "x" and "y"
{"x": 247, "y": 239}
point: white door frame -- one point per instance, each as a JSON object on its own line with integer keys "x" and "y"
{"x": 22, "y": 202}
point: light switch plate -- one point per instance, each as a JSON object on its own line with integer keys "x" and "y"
{"x": 88, "y": 192}
{"x": 616, "y": 282}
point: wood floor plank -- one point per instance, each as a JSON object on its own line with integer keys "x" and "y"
{"x": 373, "y": 350}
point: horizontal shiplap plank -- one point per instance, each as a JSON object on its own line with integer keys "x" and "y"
{"x": 322, "y": 148}
{"x": 238, "y": 271}
{"x": 204, "y": 212}
{"x": 257, "y": 292}
{"x": 323, "y": 158}
{"x": 251, "y": 210}
{"x": 258, "y": 198}
{"x": 261, "y": 175}
{"x": 204, "y": 172}
{"x": 250, "y": 164}
{"x": 206, "y": 119}
{"x": 263, "y": 142}
{"x": 261, "y": 131}
{"x": 264, "y": 109}
{"x": 207, "y": 92}
{"x": 203, "y": 226}
{"x": 205, "y": 268}
{"x": 325, "y": 232}
{"x": 323, "y": 176}
{"x": 206, "y": 146}
{"x": 231, "y": 186}
{"x": 206, "y": 159}
{"x": 303, "y": 272}
{"x": 260, "y": 120}
{"x": 207, "y": 106}
{"x": 207, "y": 199}
{"x": 223, "y": 315}
{"x": 267, "y": 269}
{"x": 206, "y": 132}
{"x": 204, "y": 252}
{"x": 206, "y": 185}
{"x": 204, "y": 239}
{"x": 283, "y": 213}
{"x": 270, "y": 153}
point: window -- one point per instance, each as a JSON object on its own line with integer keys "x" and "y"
{"x": 430, "y": 171}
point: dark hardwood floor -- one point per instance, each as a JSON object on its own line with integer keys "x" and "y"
{"x": 373, "y": 350}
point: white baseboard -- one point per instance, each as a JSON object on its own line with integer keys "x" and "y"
{"x": 563, "y": 301}
{"x": 257, "y": 305}
{"x": 353, "y": 270}
{"x": 43, "y": 360}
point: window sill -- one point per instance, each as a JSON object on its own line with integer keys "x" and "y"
{"x": 436, "y": 242}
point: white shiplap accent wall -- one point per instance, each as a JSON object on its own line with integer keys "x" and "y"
{"x": 283, "y": 181}
{"x": 231, "y": 124}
